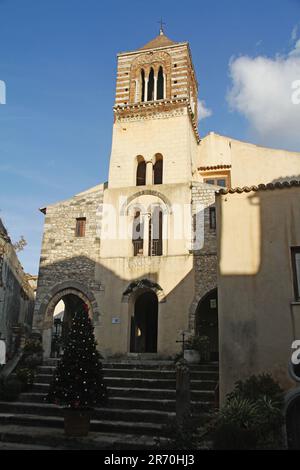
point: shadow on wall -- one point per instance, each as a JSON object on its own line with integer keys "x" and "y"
{"x": 258, "y": 316}
{"x": 115, "y": 307}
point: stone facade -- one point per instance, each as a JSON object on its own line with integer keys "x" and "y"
{"x": 16, "y": 293}
{"x": 108, "y": 269}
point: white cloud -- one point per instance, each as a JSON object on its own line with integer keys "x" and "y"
{"x": 262, "y": 92}
{"x": 203, "y": 111}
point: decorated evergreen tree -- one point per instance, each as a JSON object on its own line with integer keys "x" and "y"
{"x": 78, "y": 379}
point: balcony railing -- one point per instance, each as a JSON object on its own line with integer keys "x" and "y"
{"x": 138, "y": 247}
{"x": 156, "y": 248}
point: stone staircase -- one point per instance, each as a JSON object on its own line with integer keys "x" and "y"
{"x": 141, "y": 403}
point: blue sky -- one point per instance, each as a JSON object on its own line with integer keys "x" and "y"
{"x": 58, "y": 60}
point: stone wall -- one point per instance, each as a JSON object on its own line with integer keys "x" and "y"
{"x": 205, "y": 255}
{"x": 65, "y": 258}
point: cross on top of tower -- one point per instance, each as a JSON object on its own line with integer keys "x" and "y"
{"x": 161, "y": 29}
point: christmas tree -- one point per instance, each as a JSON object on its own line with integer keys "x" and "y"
{"x": 78, "y": 380}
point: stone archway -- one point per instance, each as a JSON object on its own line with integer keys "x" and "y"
{"x": 62, "y": 322}
{"x": 74, "y": 294}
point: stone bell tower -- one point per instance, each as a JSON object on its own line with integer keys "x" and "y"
{"x": 155, "y": 115}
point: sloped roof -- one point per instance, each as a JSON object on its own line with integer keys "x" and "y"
{"x": 160, "y": 41}
{"x": 260, "y": 187}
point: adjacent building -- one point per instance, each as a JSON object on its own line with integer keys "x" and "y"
{"x": 16, "y": 294}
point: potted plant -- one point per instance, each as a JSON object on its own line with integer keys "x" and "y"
{"x": 197, "y": 349}
{"x": 77, "y": 383}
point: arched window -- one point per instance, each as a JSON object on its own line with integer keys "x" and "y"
{"x": 158, "y": 169}
{"x": 141, "y": 172}
{"x": 160, "y": 84}
{"x": 142, "y": 85}
{"x": 156, "y": 232}
{"x": 138, "y": 234}
{"x": 150, "y": 96}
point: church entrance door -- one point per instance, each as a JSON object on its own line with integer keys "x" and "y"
{"x": 144, "y": 324}
{"x": 207, "y": 322}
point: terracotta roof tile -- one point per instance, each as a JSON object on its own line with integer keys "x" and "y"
{"x": 160, "y": 41}
{"x": 216, "y": 167}
{"x": 260, "y": 187}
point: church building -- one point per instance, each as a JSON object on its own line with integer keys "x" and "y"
{"x": 141, "y": 250}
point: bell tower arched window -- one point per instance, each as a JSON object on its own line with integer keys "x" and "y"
{"x": 141, "y": 172}
{"x": 138, "y": 234}
{"x": 156, "y": 232}
{"x": 160, "y": 84}
{"x": 150, "y": 96}
{"x": 158, "y": 169}
{"x": 142, "y": 85}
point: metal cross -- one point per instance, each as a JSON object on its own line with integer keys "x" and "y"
{"x": 182, "y": 341}
{"x": 162, "y": 24}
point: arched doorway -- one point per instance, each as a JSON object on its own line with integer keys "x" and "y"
{"x": 63, "y": 315}
{"x": 207, "y": 322}
{"x": 293, "y": 424}
{"x": 143, "y": 338}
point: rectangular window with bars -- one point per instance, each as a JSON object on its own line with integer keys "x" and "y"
{"x": 80, "y": 227}
{"x": 296, "y": 271}
{"x": 212, "y": 218}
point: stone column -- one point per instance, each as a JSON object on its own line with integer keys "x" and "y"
{"x": 146, "y": 89}
{"x": 183, "y": 394}
{"x": 165, "y": 87}
{"x": 149, "y": 173}
{"x": 136, "y": 97}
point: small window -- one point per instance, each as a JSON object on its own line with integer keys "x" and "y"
{"x": 296, "y": 271}
{"x": 221, "y": 181}
{"x": 175, "y": 65}
{"x": 80, "y": 227}
{"x": 212, "y": 218}
{"x": 175, "y": 81}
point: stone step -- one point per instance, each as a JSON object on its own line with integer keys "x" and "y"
{"x": 125, "y": 394}
{"x": 163, "y": 384}
{"x": 46, "y": 375}
{"x": 56, "y": 439}
{"x": 130, "y": 402}
{"x": 136, "y": 382}
{"x": 103, "y": 426}
{"x": 148, "y": 393}
{"x": 157, "y": 365}
{"x": 152, "y": 374}
{"x": 103, "y": 413}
